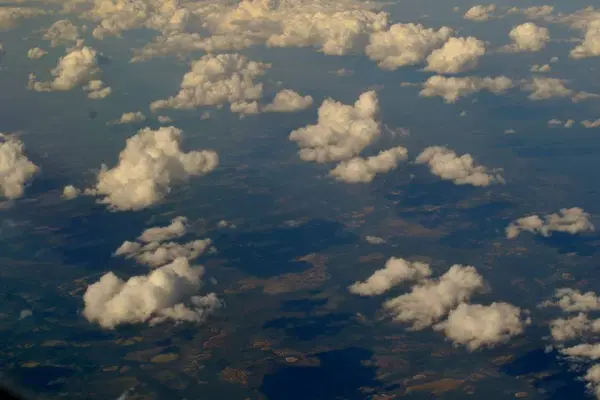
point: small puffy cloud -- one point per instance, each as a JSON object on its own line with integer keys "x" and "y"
{"x": 584, "y": 350}
{"x": 550, "y": 88}
{"x": 405, "y": 44}
{"x": 456, "y": 55}
{"x": 154, "y": 298}
{"x": 363, "y": 170}
{"x": 148, "y": 166}
{"x": 429, "y": 301}
{"x": 62, "y": 32}
{"x": 374, "y": 239}
{"x": 528, "y": 37}
{"x": 288, "y": 101}
{"x": 480, "y": 13}
{"x": 222, "y": 224}
{"x": 11, "y": 17}
{"x": 15, "y": 168}
{"x": 70, "y": 192}
{"x": 591, "y": 124}
{"x": 461, "y": 170}
{"x": 175, "y": 229}
{"x": 97, "y": 89}
{"x": 215, "y": 80}
{"x": 476, "y": 326}
{"x": 245, "y": 107}
{"x": 342, "y": 131}
{"x": 564, "y": 329}
{"x": 74, "y": 69}
{"x": 395, "y": 272}
{"x": 572, "y": 300}
{"x": 569, "y": 220}
{"x": 36, "y": 53}
{"x": 163, "y": 119}
{"x": 540, "y": 68}
{"x": 451, "y": 88}
{"x": 566, "y": 124}
{"x": 130, "y": 118}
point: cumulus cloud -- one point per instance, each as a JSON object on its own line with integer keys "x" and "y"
{"x": 151, "y": 163}
{"x": 36, "y": 53}
{"x": 569, "y": 220}
{"x": 533, "y": 12}
{"x": 74, "y": 69}
{"x": 176, "y": 43}
{"x": 62, "y": 32}
{"x": 476, "y": 326}
{"x": 456, "y": 55}
{"x": 528, "y": 37}
{"x": 461, "y": 170}
{"x": 374, "y": 239}
{"x": 154, "y": 298}
{"x": 550, "y": 88}
{"x": 480, "y": 12}
{"x": 429, "y": 301}
{"x": 590, "y": 46}
{"x": 405, "y": 44}
{"x": 130, "y": 118}
{"x": 215, "y": 80}
{"x": 342, "y": 131}
{"x": 565, "y": 124}
{"x": 584, "y": 350}
{"x": 572, "y": 300}
{"x": 97, "y": 89}
{"x": 164, "y": 119}
{"x": 591, "y": 124}
{"x": 288, "y": 101}
{"x": 11, "y": 17}
{"x": 177, "y": 228}
{"x": 70, "y": 192}
{"x": 363, "y": 170}
{"x": 564, "y": 329}
{"x": 451, "y": 88}
{"x": 15, "y": 168}
{"x": 540, "y": 68}
{"x": 395, "y": 272}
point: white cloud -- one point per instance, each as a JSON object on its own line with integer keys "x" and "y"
{"x": 97, "y": 89}
{"x": 461, "y": 170}
{"x": 163, "y": 119}
{"x": 152, "y": 298}
{"x": 215, "y": 80}
{"x": 175, "y": 43}
{"x": 564, "y": 329}
{"x": 476, "y": 326}
{"x": 342, "y": 131}
{"x": 395, "y": 272}
{"x": 528, "y": 37}
{"x": 405, "y": 44}
{"x": 451, "y": 88}
{"x": 569, "y": 220}
{"x": 11, "y": 17}
{"x": 62, "y": 32}
{"x": 74, "y": 69}
{"x": 533, "y": 12}
{"x": 374, "y": 239}
{"x": 288, "y": 101}
{"x": 15, "y": 168}
{"x": 591, "y": 124}
{"x": 223, "y": 224}
{"x": 70, "y": 192}
{"x": 149, "y": 165}
{"x": 550, "y": 88}
{"x": 480, "y": 12}
{"x": 363, "y": 170}
{"x": 456, "y": 55}
{"x": 432, "y": 299}
{"x": 540, "y": 68}
{"x": 565, "y": 124}
{"x": 177, "y": 228}
{"x": 590, "y": 47}
{"x": 130, "y": 118}
{"x": 245, "y": 107}
{"x": 36, "y": 53}
{"x": 572, "y": 300}
{"x": 592, "y": 376}
{"x": 584, "y": 350}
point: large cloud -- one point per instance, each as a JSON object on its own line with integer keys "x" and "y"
{"x": 405, "y": 44}
{"x": 342, "y": 131}
{"x": 215, "y": 80}
{"x": 480, "y": 13}
{"x": 363, "y": 170}
{"x": 395, "y": 272}
{"x": 159, "y": 296}
{"x": 456, "y": 55}
{"x": 564, "y": 329}
{"x": 528, "y": 37}
{"x": 432, "y": 299}
{"x": 148, "y": 166}
{"x": 451, "y": 88}
{"x": 476, "y": 326}
{"x": 569, "y": 220}
{"x": 15, "y": 168}
{"x": 461, "y": 170}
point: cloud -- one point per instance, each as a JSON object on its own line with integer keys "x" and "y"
{"x": 461, "y": 170}
{"x": 569, "y": 220}
{"x": 74, "y": 69}
{"x": 431, "y": 300}
{"x": 584, "y": 350}
{"x": 395, "y": 272}
{"x": 540, "y": 68}
{"x": 533, "y": 12}
{"x": 129, "y": 118}
{"x": 405, "y": 44}
{"x": 363, "y": 170}
{"x": 592, "y": 376}
{"x": 476, "y": 326}
{"x": 572, "y": 300}
{"x": 97, "y": 89}
{"x": 590, "y": 46}
{"x": 148, "y": 167}
{"x": 374, "y": 239}
{"x": 62, "y": 32}
{"x": 15, "y": 168}
{"x": 480, "y": 13}
{"x": 11, "y": 17}
{"x": 566, "y": 124}
{"x": 550, "y": 88}
{"x": 341, "y": 132}
{"x": 215, "y": 80}
{"x": 163, "y": 119}
{"x": 153, "y": 298}
{"x": 564, "y": 329}
{"x": 288, "y": 101}
{"x": 591, "y": 124}
{"x": 36, "y": 53}
{"x": 177, "y": 228}
{"x": 70, "y": 192}
{"x": 176, "y": 43}
{"x": 527, "y": 37}
{"x": 456, "y": 55}
{"x": 451, "y": 88}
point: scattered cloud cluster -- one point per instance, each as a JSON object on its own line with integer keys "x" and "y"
{"x": 97, "y": 89}
{"x": 565, "y": 124}
{"x": 569, "y": 220}
{"x": 462, "y": 170}
{"x": 15, "y": 168}
{"x": 150, "y": 164}
{"x": 591, "y": 124}
{"x": 452, "y": 88}
{"x": 572, "y": 300}
{"x": 395, "y": 272}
